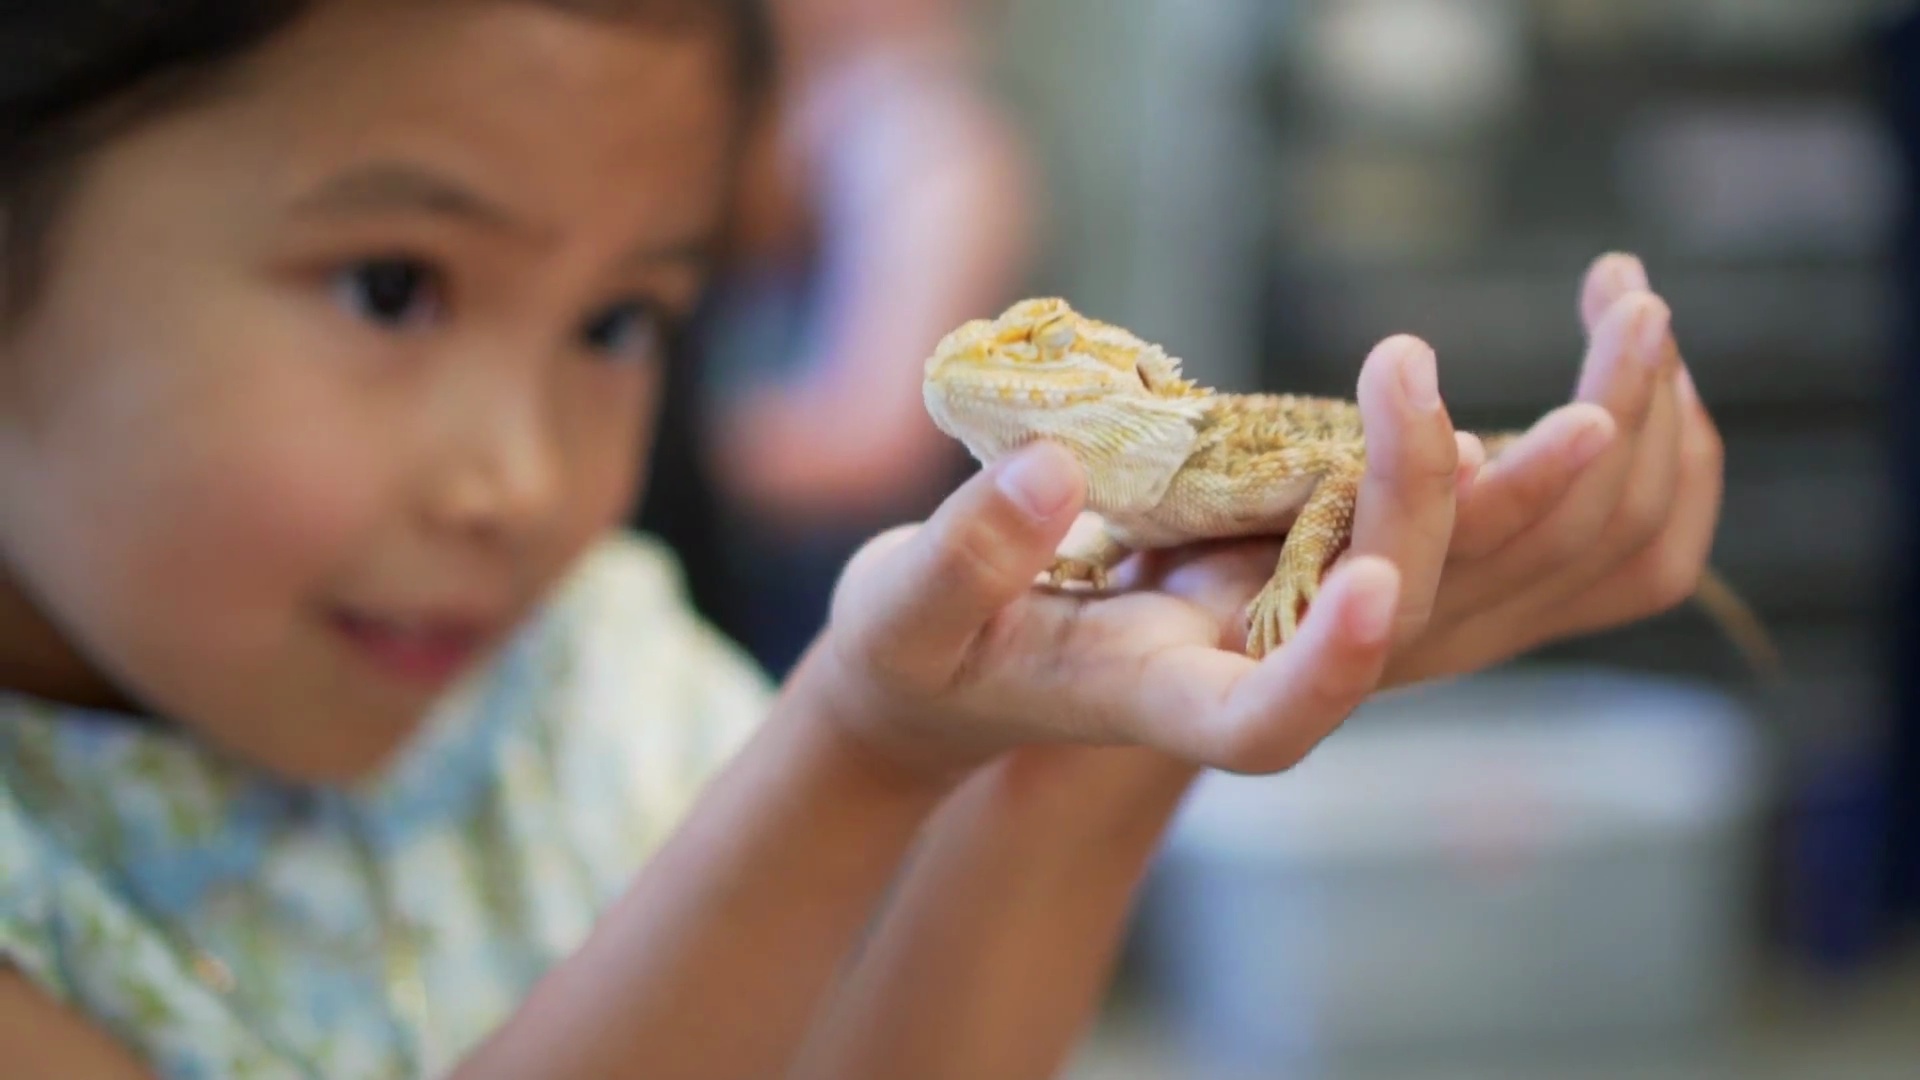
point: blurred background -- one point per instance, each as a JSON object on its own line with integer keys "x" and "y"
{"x": 1618, "y": 857}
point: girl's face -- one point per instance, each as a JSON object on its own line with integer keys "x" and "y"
{"x": 334, "y": 374}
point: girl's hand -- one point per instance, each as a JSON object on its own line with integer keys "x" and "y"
{"x": 941, "y": 654}
{"x": 1604, "y": 513}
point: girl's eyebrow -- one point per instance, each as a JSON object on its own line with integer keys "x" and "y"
{"x": 389, "y": 187}
{"x": 399, "y": 187}
{"x": 696, "y": 250}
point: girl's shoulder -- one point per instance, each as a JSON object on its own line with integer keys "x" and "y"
{"x": 225, "y": 923}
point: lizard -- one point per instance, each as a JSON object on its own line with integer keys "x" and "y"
{"x": 1169, "y": 461}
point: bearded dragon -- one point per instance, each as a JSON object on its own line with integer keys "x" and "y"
{"x": 1169, "y": 462}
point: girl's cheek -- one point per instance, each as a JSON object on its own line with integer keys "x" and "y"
{"x": 188, "y": 550}
{"x": 284, "y": 502}
{"x": 234, "y": 496}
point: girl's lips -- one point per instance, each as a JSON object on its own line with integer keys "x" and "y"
{"x": 428, "y": 651}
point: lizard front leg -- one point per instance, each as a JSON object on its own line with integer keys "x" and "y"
{"x": 1318, "y": 536}
{"x": 1088, "y": 556}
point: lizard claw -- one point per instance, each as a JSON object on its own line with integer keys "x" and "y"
{"x": 1273, "y": 618}
{"x": 1068, "y": 571}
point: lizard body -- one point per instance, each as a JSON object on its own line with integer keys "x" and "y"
{"x": 1169, "y": 462}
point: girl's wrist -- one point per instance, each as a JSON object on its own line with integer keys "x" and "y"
{"x": 1101, "y": 794}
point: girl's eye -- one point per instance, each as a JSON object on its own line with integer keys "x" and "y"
{"x": 389, "y": 292}
{"x": 631, "y": 330}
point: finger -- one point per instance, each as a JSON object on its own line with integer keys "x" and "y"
{"x": 1626, "y": 358}
{"x": 1620, "y": 376}
{"x": 1666, "y": 571}
{"x": 878, "y": 549}
{"x": 1221, "y": 710}
{"x": 920, "y": 608}
{"x": 1610, "y": 278}
{"x": 1525, "y": 483}
{"x": 1275, "y": 714}
{"x": 1649, "y": 489}
{"x": 1524, "y": 534}
{"x": 1629, "y": 331}
{"x": 1405, "y": 510}
{"x": 1646, "y": 491}
{"x": 1646, "y": 498}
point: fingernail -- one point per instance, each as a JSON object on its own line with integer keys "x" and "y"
{"x": 1039, "y": 480}
{"x": 1629, "y": 274}
{"x": 1374, "y": 610}
{"x": 1650, "y": 337}
{"x": 1419, "y": 379}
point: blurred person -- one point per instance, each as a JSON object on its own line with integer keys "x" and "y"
{"x": 887, "y": 201}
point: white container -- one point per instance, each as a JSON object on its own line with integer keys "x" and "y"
{"x": 1518, "y": 859}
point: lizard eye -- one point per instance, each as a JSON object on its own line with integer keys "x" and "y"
{"x": 1055, "y": 337}
{"x": 1145, "y": 376}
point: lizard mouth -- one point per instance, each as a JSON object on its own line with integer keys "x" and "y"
{"x": 975, "y": 413}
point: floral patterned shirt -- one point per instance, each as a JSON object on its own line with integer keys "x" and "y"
{"x": 226, "y": 925}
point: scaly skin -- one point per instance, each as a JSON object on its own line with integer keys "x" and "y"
{"x": 1169, "y": 462}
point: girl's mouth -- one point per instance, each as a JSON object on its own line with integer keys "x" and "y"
{"x": 427, "y": 650}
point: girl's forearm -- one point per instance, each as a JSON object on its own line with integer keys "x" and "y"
{"x": 995, "y": 956}
{"x": 716, "y": 960}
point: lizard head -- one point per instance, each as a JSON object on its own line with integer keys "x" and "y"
{"x": 1043, "y": 371}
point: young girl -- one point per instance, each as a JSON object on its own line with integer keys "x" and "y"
{"x": 341, "y": 736}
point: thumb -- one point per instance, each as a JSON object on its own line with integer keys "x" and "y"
{"x": 918, "y": 608}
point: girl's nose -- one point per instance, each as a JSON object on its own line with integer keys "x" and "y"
{"x": 505, "y": 477}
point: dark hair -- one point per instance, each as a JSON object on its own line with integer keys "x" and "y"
{"x": 75, "y": 72}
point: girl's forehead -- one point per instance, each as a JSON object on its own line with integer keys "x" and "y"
{"x": 540, "y": 106}
{"x": 491, "y": 59}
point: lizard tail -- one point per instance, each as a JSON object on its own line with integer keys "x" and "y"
{"x": 1738, "y": 621}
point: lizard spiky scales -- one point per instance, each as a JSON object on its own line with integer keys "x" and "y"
{"x": 1169, "y": 462}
